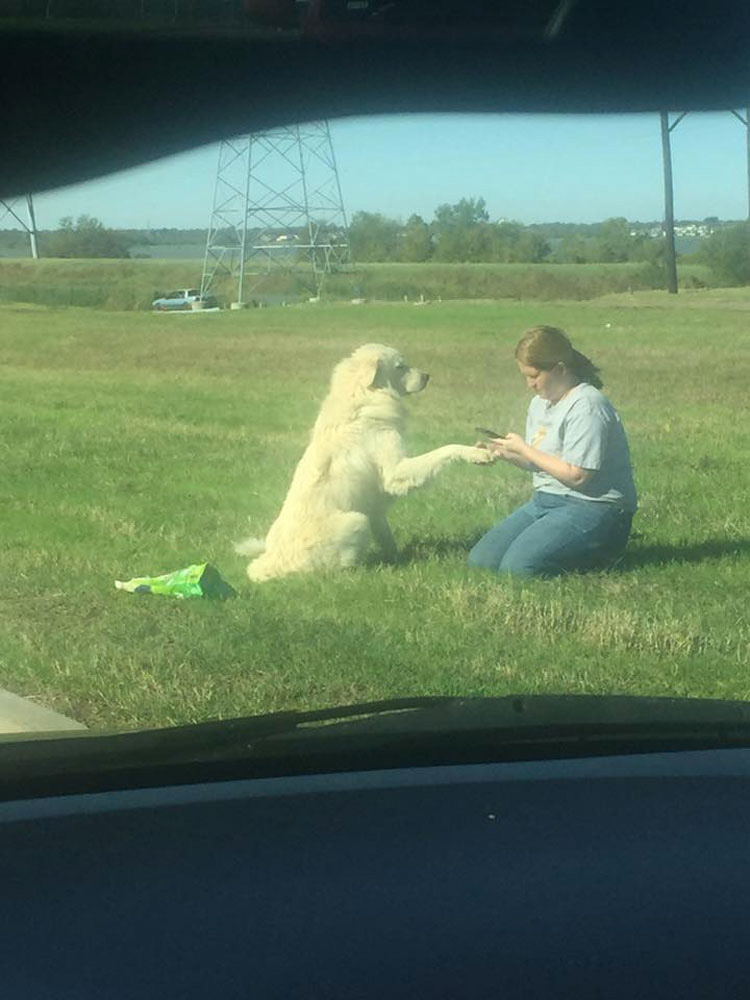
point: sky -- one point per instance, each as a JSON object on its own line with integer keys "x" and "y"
{"x": 530, "y": 168}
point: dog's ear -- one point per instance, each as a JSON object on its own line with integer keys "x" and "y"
{"x": 380, "y": 376}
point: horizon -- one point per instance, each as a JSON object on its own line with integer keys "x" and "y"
{"x": 711, "y": 220}
{"x": 552, "y": 222}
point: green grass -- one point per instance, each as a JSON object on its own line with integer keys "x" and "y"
{"x": 133, "y": 284}
{"x": 135, "y": 443}
{"x": 98, "y": 283}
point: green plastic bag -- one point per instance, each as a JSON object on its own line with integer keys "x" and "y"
{"x": 195, "y": 581}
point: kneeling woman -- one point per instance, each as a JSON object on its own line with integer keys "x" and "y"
{"x": 584, "y": 498}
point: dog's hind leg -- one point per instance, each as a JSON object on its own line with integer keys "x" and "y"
{"x": 349, "y": 538}
{"x": 381, "y": 532}
{"x": 341, "y": 543}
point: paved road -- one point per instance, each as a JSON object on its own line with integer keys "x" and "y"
{"x": 20, "y": 715}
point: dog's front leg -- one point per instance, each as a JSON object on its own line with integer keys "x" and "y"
{"x": 381, "y": 532}
{"x": 410, "y": 472}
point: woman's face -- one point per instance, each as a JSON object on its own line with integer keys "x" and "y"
{"x": 550, "y": 385}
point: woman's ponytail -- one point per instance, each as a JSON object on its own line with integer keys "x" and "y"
{"x": 584, "y": 369}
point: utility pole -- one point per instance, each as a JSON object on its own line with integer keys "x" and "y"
{"x": 666, "y": 130}
{"x": 746, "y": 122}
{"x": 671, "y": 256}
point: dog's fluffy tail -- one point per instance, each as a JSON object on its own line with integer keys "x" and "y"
{"x": 250, "y": 547}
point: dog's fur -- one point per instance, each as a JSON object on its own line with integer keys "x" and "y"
{"x": 354, "y": 465}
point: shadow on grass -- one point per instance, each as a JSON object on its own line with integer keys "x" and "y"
{"x": 658, "y": 555}
{"x": 422, "y": 549}
{"x": 636, "y": 555}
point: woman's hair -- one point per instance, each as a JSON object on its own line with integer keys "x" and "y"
{"x": 543, "y": 347}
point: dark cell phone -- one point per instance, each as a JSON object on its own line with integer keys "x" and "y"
{"x": 485, "y": 432}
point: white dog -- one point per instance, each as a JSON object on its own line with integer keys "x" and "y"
{"x": 354, "y": 465}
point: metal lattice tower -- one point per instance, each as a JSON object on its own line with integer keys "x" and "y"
{"x": 278, "y": 223}
{"x": 13, "y": 208}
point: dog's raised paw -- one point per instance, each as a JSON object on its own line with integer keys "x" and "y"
{"x": 481, "y": 456}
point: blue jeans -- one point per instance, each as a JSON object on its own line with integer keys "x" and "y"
{"x": 553, "y": 534}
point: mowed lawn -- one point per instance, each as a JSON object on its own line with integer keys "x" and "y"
{"x": 136, "y": 444}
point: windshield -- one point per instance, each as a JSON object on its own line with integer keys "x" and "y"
{"x": 230, "y": 488}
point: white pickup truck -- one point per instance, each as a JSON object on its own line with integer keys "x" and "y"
{"x": 182, "y": 298}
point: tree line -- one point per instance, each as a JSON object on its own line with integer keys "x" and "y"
{"x": 87, "y": 236}
{"x": 459, "y": 233}
{"x": 463, "y": 232}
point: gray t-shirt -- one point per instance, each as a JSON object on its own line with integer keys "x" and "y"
{"x": 584, "y": 429}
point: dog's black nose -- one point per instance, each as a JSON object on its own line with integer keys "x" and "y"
{"x": 426, "y": 377}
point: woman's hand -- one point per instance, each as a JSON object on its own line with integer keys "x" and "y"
{"x": 512, "y": 446}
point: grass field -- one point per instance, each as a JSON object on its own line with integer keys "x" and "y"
{"x": 133, "y": 284}
{"x": 135, "y": 443}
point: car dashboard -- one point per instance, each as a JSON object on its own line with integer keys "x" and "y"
{"x": 616, "y": 876}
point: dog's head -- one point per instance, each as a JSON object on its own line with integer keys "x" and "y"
{"x": 376, "y": 367}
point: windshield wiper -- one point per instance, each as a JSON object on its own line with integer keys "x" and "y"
{"x": 370, "y": 735}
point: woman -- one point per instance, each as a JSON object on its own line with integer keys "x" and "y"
{"x": 584, "y": 498}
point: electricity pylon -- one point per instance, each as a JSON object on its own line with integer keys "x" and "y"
{"x": 278, "y": 223}
{"x": 13, "y": 208}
